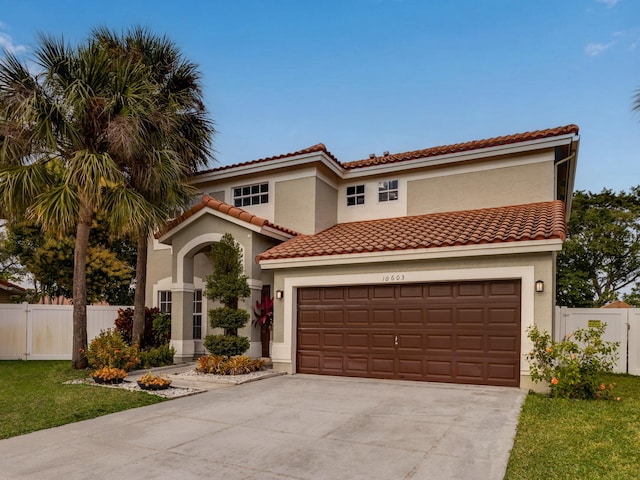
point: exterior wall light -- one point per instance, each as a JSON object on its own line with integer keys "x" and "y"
{"x": 279, "y": 294}
{"x": 539, "y": 286}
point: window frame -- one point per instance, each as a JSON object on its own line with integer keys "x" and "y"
{"x": 387, "y": 189}
{"x": 164, "y": 301}
{"x": 356, "y": 195}
{"x": 250, "y": 195}
{"x": 197, "y": 314}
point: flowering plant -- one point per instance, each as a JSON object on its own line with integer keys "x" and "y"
{"x": 108, "y": 375}
{"x": 264, "y": 314}
{"x": 109, "y": 349}
{"x": 151, "y": 381}
{"x": 573, "y": 368}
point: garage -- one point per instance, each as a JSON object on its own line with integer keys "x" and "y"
{"x": 456, "y": 332}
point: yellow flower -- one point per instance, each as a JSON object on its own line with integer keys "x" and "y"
{"x": 548, "y": 349}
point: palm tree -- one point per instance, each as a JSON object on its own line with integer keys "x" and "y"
{"x": 58, "y": 128}
{"x": 177, "y": 142}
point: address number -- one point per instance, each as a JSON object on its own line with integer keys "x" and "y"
{"x": 396, "y": 277}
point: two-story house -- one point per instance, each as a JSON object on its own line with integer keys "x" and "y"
{"x": 423, "y": 265}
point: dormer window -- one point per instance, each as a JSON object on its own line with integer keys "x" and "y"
{"x": 355, "y": 195}
{"x": 251, "y": 195}
{"x": 388, "y": 191}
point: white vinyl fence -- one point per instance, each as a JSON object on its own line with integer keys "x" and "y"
{"x": 45, "y": 332}
{"x": 623, "y": 325}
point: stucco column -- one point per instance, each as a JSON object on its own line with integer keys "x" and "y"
{"x": 182, "y": 323}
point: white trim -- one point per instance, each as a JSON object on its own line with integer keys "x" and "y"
{"x": 505, "y": 248}
{"x": 285, "y": 352}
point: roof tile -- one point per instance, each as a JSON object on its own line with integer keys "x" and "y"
{"x": 536, "y": 221}
{"x": 227, "y": 209}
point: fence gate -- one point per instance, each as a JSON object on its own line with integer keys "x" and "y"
{"x": 45, "y": 332}
{"x": 622, "y": 325}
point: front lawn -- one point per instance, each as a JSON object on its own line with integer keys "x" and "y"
{"x": 33, "y": 397}
{"x": 575, "y": 439}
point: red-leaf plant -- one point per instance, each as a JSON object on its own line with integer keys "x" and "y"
{"x": 264, "y": 312}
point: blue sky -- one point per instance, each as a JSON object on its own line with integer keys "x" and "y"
{"x": 365, "y": 76}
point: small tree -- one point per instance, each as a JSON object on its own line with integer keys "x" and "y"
{"x": 227, "y": 285}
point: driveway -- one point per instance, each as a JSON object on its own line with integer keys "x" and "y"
{"x": 288, "y": 427}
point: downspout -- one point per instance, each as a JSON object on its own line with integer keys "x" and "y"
{"x": 570, "y": 177}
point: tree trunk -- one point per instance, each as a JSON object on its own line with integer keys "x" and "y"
{"x": 137, "y": 333}
{"x": 78, "y": 359}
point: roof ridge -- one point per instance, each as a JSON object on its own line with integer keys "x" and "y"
{"x": 225, "y": 208}
{"x": 463, "y": 147}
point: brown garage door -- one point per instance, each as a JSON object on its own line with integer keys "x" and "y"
{"x": 460, "y": 332}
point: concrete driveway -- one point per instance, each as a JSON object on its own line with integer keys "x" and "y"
{"x": 290, "y": 427}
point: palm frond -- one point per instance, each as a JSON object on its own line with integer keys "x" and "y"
{"x": 20, "y": 186}
{"x": 56, "y": 209}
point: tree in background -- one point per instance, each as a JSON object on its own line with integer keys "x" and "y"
{"x": 49, "y": 259}
{"x": 601, "y": 256}
{"x": 228, "y": 285}
{"x": 10, "y": 267}
{"x": 171, "y": 150}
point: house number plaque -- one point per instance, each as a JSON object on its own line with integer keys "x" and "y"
{"x": 393, "y": 277}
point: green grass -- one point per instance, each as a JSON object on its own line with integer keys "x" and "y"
{"x": 33, "y": 397}
{"x": 575, "y": 439}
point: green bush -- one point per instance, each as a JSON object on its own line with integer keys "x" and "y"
{"x": 228, "y": 318}
{"x": 109, "y": 349}
{"x": 156, "y": 356}
{"x": 161, "y": 328}
{"x": 155, "y": 331}
{"x": 226, "y": 345}
{"x": 573, "y": 369}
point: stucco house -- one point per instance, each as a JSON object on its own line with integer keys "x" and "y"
{"x": 422, "y": 265}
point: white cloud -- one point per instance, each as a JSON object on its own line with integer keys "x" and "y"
{"x": 594, "y": 49}
{"x": 6, "y": 43}
{"x": 609, "y": 3}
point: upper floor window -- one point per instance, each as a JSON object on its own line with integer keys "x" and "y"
{"x": 355, "y": 195}
{"x": 251, "y": 194}
{"x": 388, "y": 190}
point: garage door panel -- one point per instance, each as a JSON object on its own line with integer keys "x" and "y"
{"x": 439, "y": 342}
{"x": 439, "y": 316}
{"x": 503, "y": 316}
{"x": 502, "y": 343}
{"x": 464, "y": 332}
{"x": 411, "y": 318}
{"x": 470, "y": 343}
{"x": 383, "y": 366}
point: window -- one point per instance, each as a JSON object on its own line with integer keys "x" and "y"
{"x": 197, "y": 314}
{"x": 251, "y": 195}
{"x": 388, "y": 191}
{"x": 164, "y": 301}
{"x": 355, "y": 195}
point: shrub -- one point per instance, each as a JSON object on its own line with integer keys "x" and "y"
{"x": 149, "y": 380}
{"x": 161, "y": 328}
{"x": 226, "y": 345}
{"x": 108, "y": 375}
{"x": 110, "y": 350}
{"x": 228, "y": 318}
{"x": 156, "y": 356}
{"x": 210, "y": 364}
{"x": 573, "y": 369}
{"x": 156, "y": 333}
{"x": 220, "y": 365}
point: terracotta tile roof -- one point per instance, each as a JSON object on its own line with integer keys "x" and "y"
{"x": 428, "y": 152}
{"x": 463, "y": 147}
{"x": 617, "y": 304}
{"x": 236, "y": 212}
{"x": 11, "y": 286}
{"x": 313, "y": 149}
{"x": 536, "y": 221}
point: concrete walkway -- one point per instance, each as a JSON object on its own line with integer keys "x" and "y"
{"x": 288, "y": 427}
